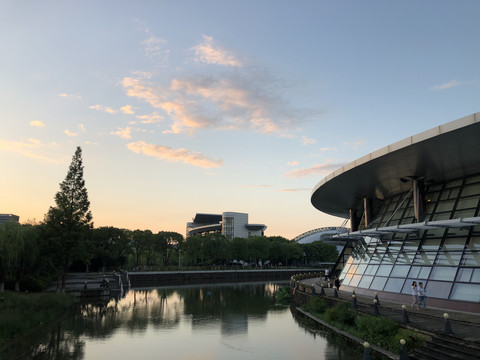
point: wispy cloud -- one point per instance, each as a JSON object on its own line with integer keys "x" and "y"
{"x": 175, "y": 155}
{"x": 308, "y": 141}
{"x": 103, "y": 108}
{"x": 355, "y": 144}
{"x": 124, "y": 133}
{"x": 255, "y": 186}
{"x": 154, "y": 47}
{"x": 292, "y": 163}
{"x": 37, "y": 123}
{"x": 207, "y": 53}
{"x": 31, "y": 148}
{"x": 314, "y": 170}
{"x": 80, "y": 128}
{"x": 65, "y": 95}
{"x": 294, "y": 190}
{"x": 218, "y": 102}
{"x": 150, "y": 119}
{"x": 127, "y": 109}
{"x": 448, "y": 85}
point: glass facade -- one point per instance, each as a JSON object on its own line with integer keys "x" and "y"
{"x": 445, "y": 258}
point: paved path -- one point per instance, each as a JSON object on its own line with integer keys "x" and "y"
{"x": 464, "y": 325}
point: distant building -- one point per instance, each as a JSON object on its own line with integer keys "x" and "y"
{"x": 9, "y": 217}
{"x": 229, "y": 224}
{"x": 324, "y": 234}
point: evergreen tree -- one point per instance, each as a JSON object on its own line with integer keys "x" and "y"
{"x": 69, "y": 223}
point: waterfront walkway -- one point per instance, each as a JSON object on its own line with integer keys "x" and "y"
{"x": 462, "y": 343}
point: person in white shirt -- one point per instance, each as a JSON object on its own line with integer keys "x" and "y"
{"x": 422, "y": 297}
{"x": 414, "y": 294}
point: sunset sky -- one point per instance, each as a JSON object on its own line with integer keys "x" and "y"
{"x": 211, "y": 106}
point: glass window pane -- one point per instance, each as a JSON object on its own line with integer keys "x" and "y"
{"x": 471, "y": 259}
{"x": 414, "y": 271}
{"x": 467, "y": 203}
{"x": 443, "y": 273}
{"x": 384, "y": 270}
{"x": 389, "y": 258}
{"x": 476, "y": 276}
{"x": 464, "y": 274}
{"x": 454, "y": 243}
{"x": 371, "y": 270}
{"x": 431, "y": 245}
{"x": 365, "y": 282}
{"x": 441, "y": 216}
{"x": 378, "y": 283}
{"x": 438, "y": 289}
{"x": 355, "y": 280}
{"x": 445, "y": 205}
{"x": 361, "y": 269}
{"x": 464, "y": 213}
{"x": 472, "y": 179}
{"x": 472, "y": 189}
{"x": 412, "y": 245}
{"x": 394, "y": 285}
{"x": 347, "y": 279}
{"x": 465, "y": 292}
{"x": 424, "y": 272}
{"x": 400, "y": 270}
{"x": 448, "y": 258}
{"x": 474, "y": 243}
{"x": 424, "y": 258}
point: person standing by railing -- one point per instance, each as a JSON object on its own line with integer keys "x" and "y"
{"x": 414, "y": 294}
{"x": 422, "y": 297}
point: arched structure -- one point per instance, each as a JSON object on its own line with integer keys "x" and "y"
{"x": 413, "y": 208}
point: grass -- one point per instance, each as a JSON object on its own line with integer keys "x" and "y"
{"x": 377, "y": 330}
{"x": 21, "y": 313}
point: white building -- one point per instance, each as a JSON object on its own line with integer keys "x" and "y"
{"x": 229, "y": 224}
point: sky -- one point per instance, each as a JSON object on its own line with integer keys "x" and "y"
{"x": 184, "y": 107}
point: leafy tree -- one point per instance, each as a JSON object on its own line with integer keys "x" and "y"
{"x": 239, "y": 249}
{"x": 216, "y": 249}
{"x": 166, "y": 243}
{"x": 69, "y": 223}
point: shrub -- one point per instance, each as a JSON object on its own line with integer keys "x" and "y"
{"x": 316, "y": 305}
{"x": 282, "y": 296}
{"x": 342, "y": 315}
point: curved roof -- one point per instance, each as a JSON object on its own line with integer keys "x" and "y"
{"x": 445, "y": 152}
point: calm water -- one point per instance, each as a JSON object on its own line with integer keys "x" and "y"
{"x": 208, "y": 322}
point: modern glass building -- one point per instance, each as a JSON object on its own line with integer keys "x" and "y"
{"x": 414, "y": 215}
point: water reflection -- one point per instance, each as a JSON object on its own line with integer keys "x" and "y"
{"x": 235, "y": 321}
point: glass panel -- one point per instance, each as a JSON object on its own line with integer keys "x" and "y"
{"x": 389, "y": 258}
{"x": 476, "y": 276}
{"x": 365, "y": 282}
{"x": 394, "y": 285}
{"x": 384, "y": 270}
{"x": 474, "y": 243}
{"x": 448, "y": 258}
{"x": 454, "y": 243}
{"x": 378, "y": 283}
{"x": 465, "y": 292}
{"x": 472, "y": 179}
{"x": 451, "y": 193}
{"x": 412, "y": 245}
{"x": 465, "y": 213}
{"x": 464, "y": 274}
{"x": 361, "y": 269}
{"x": 472, "y": 189}
{"x": 431, "y": 245}
{"x": 400, "y": 270}
{"x": 347, "y": 279}
{"x": 355, "y": 280}
{"x": 454, "y": 183}
{"x": 405, "y": 258}
{"x": 443, "y": 273}
{"x": 352, "y": 269}
{"x": 467, "y": 203}
{"x": 371, "y": 269}
{"x": 438, "y": 289}
{"x": 471, "y": 259}
{"x": 414, "y": 271}
{"x": 441, "y": 216}
{"x": 424, "y": 258}
{"x": 424, "y": 272}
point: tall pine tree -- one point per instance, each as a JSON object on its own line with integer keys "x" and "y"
{"x": 69, "y": 223}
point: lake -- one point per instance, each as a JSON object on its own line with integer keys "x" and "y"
{"x": 202, "y": 322}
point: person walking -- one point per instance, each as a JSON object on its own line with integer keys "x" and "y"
{"x": 414, "y": 294}
{"x": 422, "y": 297}
{"x": 327, "y": 273}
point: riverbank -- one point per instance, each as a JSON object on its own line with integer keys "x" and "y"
{"x": 21, "y": 313}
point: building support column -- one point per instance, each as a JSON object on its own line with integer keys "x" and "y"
{"x": 419, "y": 199}
{"x": 353, "y": 220}
{"x": 367, "y": 208}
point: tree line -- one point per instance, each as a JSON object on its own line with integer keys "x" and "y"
{"x": 31, "y": 255}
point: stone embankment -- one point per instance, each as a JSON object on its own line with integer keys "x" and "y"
{"x": 452, "y": 336}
